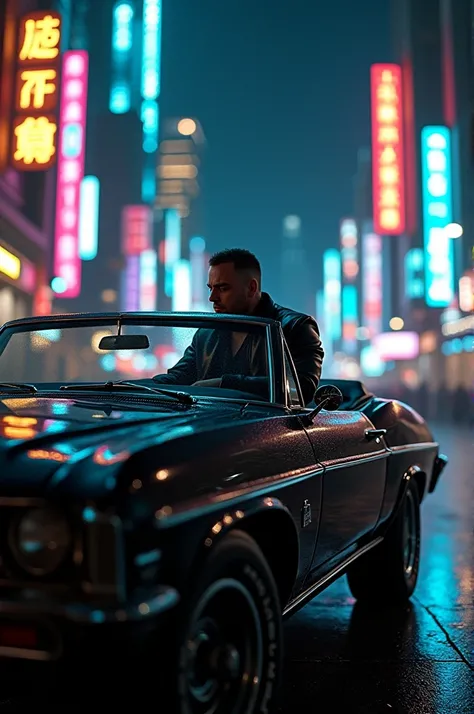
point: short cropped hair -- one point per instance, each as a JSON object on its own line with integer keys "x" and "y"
{"x": 241, "y": 258}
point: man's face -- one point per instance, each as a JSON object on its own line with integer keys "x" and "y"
{"x": 232, "y": 291}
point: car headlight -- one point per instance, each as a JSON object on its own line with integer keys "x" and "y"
{"x": 40, "y": 540}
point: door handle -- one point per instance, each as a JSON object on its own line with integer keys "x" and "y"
{"x": 375, "y": 434}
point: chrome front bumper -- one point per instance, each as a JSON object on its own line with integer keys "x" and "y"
{"x": 36, "y": 611}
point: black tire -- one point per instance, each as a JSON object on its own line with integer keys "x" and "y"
{"x": 229, "y": 645}
{"x": 389, "y": 572}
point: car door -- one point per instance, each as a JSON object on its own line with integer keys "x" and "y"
{"x": 353, "y": 480}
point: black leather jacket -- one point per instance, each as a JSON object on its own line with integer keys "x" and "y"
{"x": 302, "y": 336}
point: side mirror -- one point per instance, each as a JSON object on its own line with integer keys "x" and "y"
{"x": 328, "y": 397}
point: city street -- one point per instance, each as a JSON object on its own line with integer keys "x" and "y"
{"x": 419, "y": 660}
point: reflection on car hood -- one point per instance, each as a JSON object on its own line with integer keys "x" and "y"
{"x": 43, "y": 442}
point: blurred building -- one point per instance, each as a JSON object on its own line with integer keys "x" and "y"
{"x": 180, "y": 215}
{"x": 294, "y": 267}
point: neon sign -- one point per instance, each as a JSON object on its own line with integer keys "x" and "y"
{"x": 10, "y": 265}
{"x": 148, "y": 280}
{"x": 372, "y": 283}
{"x": 332, "y": 293}
{"x": 122, "y": 46}
{"x": 72, "y": 123}
{"x": 137, "y": 222}
{"x": 350, "y": 264}
{"x": 35, "y": 129}
{"x": 387, "y": 149}
{"x": 437, "y": 214}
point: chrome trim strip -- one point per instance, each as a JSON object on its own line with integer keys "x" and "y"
{"x": 338, "y": 570}
{"x": 165, "y": 598}
{"x": 421, "y": 446}
{"x": 165, "y": 518}
{"x": 271, "y": 371}
{"x": 355, "y": 460}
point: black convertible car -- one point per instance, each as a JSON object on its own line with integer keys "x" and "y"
{"x": 186, "y": 518}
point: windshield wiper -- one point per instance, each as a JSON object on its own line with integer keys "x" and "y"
{"x": 19, "y": 386}
{"x": 182, "y": 397}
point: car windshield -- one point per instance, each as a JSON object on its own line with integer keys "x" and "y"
{"x": 190, "y": 355}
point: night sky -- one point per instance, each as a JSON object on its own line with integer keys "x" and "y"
{"x": 282, "y": 92}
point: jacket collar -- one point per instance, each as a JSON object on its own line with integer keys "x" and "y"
{"x": 265, "y": 307}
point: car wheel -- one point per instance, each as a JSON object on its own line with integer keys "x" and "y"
{"x": 230, "y": 642}
{"x": 390, "y": 570}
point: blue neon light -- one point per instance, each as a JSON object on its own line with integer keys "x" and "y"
{"x": 150, "y": 119}
{"x": 349, "y": 303}
{"x": 148, "y": 184}
{"x": 151, "y": 53}
{"x": 120, "y": 101}
{"x": 89, "y": 218}
{"x": 197, "y": 244}
{"x": 437, "y": 214}
{"x": 332, "y": 293}
{"x": 122, "y": 29}
{"x": 58, "y": 285}
{"x": 122, "y": 45}
{"x": 414, "y": 283}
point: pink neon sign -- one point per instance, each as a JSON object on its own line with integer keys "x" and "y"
{"x": 71, "y": 152}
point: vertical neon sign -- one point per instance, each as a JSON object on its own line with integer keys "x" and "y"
{"x": 148, "y": 279}
{"x": 437, "y": 214}
{"x": 197, "y": 247}
{"x": 89, "y": 217}
{"x": 172, "y": 246}
{"x": 387, "y": 149}
{"x": 71, "y": 153}
{"x": 414, "y": 284}
{"x": 150, "y": 91}
{"x": 372, "y": 283}
{"x": 332, "y": 293}
{"x": 122, "y": 45}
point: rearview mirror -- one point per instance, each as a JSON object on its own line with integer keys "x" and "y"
{"x": 124, "y": 342}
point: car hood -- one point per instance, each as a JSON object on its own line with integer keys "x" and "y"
{"x": 46, "y": 443}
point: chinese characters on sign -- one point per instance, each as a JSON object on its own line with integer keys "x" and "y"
{"x": 71, "y": 151}
{"x": 437, "y": 214}
{"x": 35, "y": 129}
{"x": 387, "y": 149}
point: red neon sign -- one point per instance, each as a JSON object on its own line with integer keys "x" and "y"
{"x": 387, "y": 149}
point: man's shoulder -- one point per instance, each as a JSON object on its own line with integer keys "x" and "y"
{"x": 290, "y": 318}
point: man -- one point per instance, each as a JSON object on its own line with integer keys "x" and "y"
{"x": 234, "y": 283}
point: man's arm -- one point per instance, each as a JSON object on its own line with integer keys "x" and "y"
{"x": 184, "y": 371}
{"x": 307, "y": 352}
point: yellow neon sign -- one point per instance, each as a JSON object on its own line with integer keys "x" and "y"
{"x": 10, "y": 265}
{"x": 35, "y": 141}
{"x": 35, "y": 126}
{"x": 35, "y": 85}
{"x": 41, "y": 37}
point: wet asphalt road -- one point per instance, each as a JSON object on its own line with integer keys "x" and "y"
{"x": 417, "y": 660}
